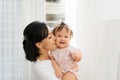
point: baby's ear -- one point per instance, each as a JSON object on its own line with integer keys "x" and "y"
{"x": 38, "y": 45}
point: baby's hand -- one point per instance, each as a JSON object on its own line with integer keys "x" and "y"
{"x": 76, "y": 56}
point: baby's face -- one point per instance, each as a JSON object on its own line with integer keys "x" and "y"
{"x": 62, "y": 38}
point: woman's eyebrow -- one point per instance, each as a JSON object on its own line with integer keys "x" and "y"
{"x": 49, "y": 33}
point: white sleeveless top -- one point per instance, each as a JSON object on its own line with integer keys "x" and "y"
{"x": 43, "y": 70}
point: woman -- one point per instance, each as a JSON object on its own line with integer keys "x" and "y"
{"x": 37, "y": 43}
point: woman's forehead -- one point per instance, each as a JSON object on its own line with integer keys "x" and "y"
{"x": 49, "y": 28}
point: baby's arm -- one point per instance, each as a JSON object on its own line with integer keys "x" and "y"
{"x": 56, "y": 68}
{"x": 76, "y": 56}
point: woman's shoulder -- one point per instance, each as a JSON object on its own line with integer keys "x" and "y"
{"x": 41, "y": 63}
{"x": 42, "y": 66}
{"x": 43, "y": 70}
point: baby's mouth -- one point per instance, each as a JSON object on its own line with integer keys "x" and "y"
{"x": 62, "y": 42}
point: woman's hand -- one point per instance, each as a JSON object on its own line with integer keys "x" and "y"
{"x": 56, "y": 67}
{"x": 58, "y": 72}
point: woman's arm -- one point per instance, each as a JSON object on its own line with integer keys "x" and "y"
{"x": 57, "y": 69}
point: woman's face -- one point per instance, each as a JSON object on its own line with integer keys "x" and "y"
{"x": 49, "y": 42}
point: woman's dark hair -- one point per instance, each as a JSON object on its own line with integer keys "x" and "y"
{"x": 33, "y": 33}
{"x": 60, "y": 27}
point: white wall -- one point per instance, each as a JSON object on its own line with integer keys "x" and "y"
{"x": 107, "y": 50}
{"x": 98, "y": 26}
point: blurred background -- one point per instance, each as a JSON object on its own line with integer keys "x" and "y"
{"x": 96, "y": 27}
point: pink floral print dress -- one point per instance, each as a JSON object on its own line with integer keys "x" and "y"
{"x": 65, "y": 61}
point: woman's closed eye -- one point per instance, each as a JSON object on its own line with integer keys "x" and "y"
{"x": 59, "y": 36}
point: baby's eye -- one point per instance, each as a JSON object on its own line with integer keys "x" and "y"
{"x": 66, "y": 36}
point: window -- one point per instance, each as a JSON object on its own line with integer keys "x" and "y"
{"x": 53, "y": 1}
{"x": 54, "y": 12}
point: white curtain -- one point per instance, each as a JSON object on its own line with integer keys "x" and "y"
{"x": 14, "y": 16}
{"x": 11, "y": 57}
